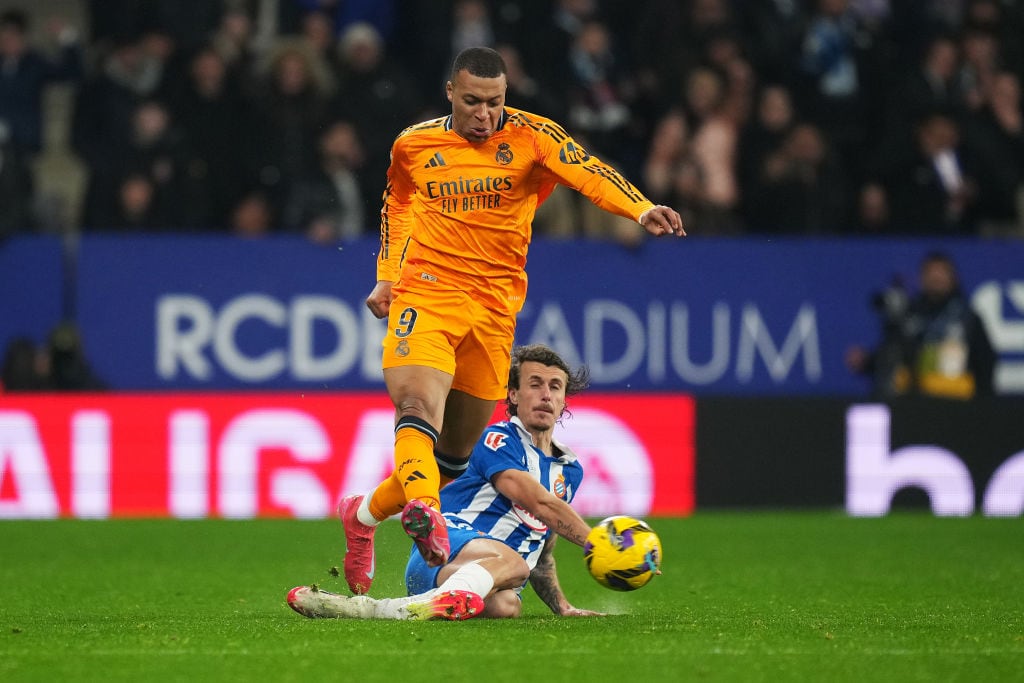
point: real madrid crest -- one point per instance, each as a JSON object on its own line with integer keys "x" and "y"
{"x": 504, "y": 154}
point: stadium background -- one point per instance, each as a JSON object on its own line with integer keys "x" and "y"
{"x": 239, "y": 369}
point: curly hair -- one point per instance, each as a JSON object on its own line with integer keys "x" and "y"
{"x": 577, "y": 380}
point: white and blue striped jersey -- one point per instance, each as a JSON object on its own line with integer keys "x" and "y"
{"x": 472, "y": 501}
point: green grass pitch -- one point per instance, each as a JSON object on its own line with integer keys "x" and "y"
{"x": 744, "y": 597}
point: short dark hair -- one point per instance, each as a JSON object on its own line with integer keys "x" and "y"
{"x": 479, "y": 61}
{"x": 577, "y": 380}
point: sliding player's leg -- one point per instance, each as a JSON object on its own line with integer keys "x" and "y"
{"x": 480, "y": 564}
{"x": 452, "y": 605}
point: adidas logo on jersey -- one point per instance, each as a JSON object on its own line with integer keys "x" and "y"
{"x": 435, "y": 161}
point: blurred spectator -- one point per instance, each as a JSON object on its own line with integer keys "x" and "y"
{"x": 774, "y": 117}
{"x": 236, "y": 41}
{"x": 713, "y": 142}
{"x": 329, "y": 204}
{"x": 669, "y": 149}
{"x": 471, "y": 26}
{"x": 873, "y": 215}
{"x": 25, "y": 72}
{"x": 209, "y": 111}
{"x": 16, "y": 185}
{"x": 105, "y": 108}
{"x": 380, "y": 14}
{"x": 801, "y": 188}
{"x": 670, "y": 39}
{"x": 548, "y": 54}
{"x": 25, "y": 367}
{"x": 375, "y": 94}
{"x": 149, "y": 179}
{"x": 135, "y": 206}
{"x": 934, "y": 190}
{"x": 995, "y": 135}
{"x": 252, "y": 216}
{"x": 830, "y": 60}
{"x": 1005, "y": 21}
{"x": 317, "y": 29}
{"x": 599, "y": 93}
{"x": 673, "y": 176}
{"x": 933, "y": 344}
{"x": 524, "y": 91}
{"x": 981, "y": 61}
{"x": 186, "y": 23}
{"x": 725, "y": 54}
{"x": 70, "y": 369}
{"x": 286, "y": 118}
{"x": 930, "y": 85}
{"x": 107, "y": 100}
{"x": 933, "y": 84}
{"x": 773, "y": 31}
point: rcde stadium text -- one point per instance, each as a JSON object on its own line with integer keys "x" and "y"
{"x": 194, "y": 338}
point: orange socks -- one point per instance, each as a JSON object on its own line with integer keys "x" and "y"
{"x": 387, "y": 499}
{"x": 415, "y": 466}
{"x": 416, "y": 474}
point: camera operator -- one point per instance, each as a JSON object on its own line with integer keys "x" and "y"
{"x": 933, "y": 344}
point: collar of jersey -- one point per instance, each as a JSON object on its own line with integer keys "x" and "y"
{"x": 501, "y": 121}
{"x": 567, "y": 453}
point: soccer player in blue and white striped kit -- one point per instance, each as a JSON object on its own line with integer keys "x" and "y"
{"x": 503, "y": 514}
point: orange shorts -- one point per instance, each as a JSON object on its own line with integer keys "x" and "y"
{"x": 450, "y": 331}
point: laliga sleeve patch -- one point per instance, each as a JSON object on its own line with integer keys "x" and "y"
{"x": 495, "y": 440}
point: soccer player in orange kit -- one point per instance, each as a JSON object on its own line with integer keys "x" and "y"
{"x": 455, "y": 227}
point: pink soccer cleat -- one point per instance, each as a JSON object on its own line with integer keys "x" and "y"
{"x": 427, "y": 528}
{"x": 453, "y": 605}
{"x": 359, "y": 559}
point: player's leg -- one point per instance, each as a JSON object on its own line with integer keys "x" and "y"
{"x": 460, "y": 595}
{"x": 359, "y": 519}
{"x": 419, "y": 362}
{"x": 503, "y": 604}
{"x": 465, "y": 418}
{"x": 480, "y": 565}
{"x": 480, "y": 381}
{"x": 505, "y": 568}
{"x": 418, "y": 393}
{"x": 453, "y": 605}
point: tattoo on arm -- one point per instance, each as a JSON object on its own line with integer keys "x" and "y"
{"x": 566, "y": 530}
{"x": 544, "y": 580}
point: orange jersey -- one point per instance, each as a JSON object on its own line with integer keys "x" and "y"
{"x": 460, "y": 214}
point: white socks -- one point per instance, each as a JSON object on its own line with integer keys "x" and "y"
{"x": 363, "y": 511}
{"x": 470, "y": 577}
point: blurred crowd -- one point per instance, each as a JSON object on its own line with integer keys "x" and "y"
{"x": 59, "y": 364}
{"x": 803, "y": 117}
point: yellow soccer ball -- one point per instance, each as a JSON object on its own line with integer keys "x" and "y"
{"x": 622, "y": 553}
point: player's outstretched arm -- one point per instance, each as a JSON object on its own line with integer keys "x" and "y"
{"x": 544, "y": 579}
{"x": 522, "y": 489}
